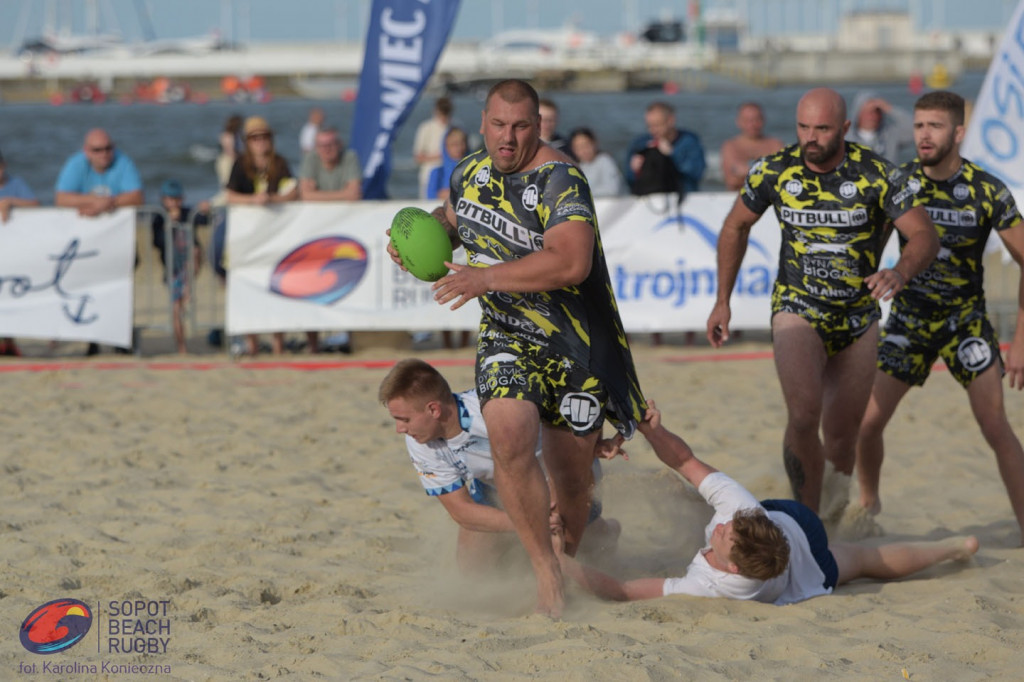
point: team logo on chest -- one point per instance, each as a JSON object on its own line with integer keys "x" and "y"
{"x": 483, "y": 176}
{"x": 961, "y": 192}
{"x": 848, "y": 190}
{"x": 794, "y": 187}
{"x": 531, "y": 197}
{"x": 914, "y": 185}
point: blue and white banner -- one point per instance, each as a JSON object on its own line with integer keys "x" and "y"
{"x": 403, "y": 44}
{"x": 995, "y": 134}
{"x": 66, "y": 277}
{"x": 324, "y": 266}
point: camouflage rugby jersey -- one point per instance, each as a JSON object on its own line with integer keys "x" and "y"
{"x": 965, "y": 208}
{"x": 503, "y": 218}
{"x": 832, "y": 223}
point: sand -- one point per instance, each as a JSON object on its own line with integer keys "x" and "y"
{"x": 276, "y": 511}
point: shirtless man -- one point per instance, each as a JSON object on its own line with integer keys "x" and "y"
{"x": 737, "y": 153}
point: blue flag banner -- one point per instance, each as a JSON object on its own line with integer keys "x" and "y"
{"x": 403, "y": 44}
{"x": 995, "y": 135}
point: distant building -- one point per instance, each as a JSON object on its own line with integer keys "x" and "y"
{"x": 869, "y": 31}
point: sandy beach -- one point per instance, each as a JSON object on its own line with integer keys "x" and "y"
{"x": 276, "y": 513}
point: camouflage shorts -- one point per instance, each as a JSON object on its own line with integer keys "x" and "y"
{"x": 838, "y": 327}
{"x": 565, "y": 393}
{"x": 914, "y": 338}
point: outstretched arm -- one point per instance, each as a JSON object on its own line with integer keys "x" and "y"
{"x": 673, "y": 450}
{"x": 601, "y": 584}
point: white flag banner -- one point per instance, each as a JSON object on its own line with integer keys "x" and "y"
{"x": 995, "y": 133}
{"x": 324, "y": 266}
{"x": 66, "y": 277}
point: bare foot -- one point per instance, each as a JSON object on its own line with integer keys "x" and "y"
{"x": 967, "y": 548}
{"x": 550, "y": 596}
{"x": 871, "y": 505}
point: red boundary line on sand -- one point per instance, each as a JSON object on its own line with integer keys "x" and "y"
{"x": 312, "y": 365}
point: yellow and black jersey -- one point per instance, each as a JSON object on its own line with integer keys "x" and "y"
{"x": 504, "y": 217}
{"x": 965, "y": 208}
{"x": 832, "y": 223}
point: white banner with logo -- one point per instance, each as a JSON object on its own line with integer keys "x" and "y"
{"x": 66, "y": 277}
{"x": 324, "y": 266}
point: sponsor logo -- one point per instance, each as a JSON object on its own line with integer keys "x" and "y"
{"x": 499, "y": 358}
{"x": 55, "y": 626}
{"x": 322, "y": 271}
{"x": 581, "y": 410}
{"x": 961, "y": 191}
{"x": 483, "y": 176}
{"x": 502, "y": 376}
{"x": 914, "y": 185}
{"x": 837, "y": 249}
{"x": 815, "y": 218}
{"x": 794, "y": 187}
{"x": 499, "y": 225}
{"x": 943, "y": 254}
{"x": 952, "y": 217}
{"x": 531, "y": 197}
{"x": 848, "y": 190}
{"x": 898, "y": 340}
{"x": 974, "y": 354}
{"x": 574, "y": 208}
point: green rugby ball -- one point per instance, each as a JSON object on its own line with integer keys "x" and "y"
{"x": 422, "y": 243}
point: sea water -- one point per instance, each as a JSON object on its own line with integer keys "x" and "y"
{"x": 180, "y": 140}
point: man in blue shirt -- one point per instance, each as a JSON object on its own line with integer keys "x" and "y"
{"x": 662, "y": 143}
{"x": 98, "y": 179}
{"x": 13, "y": 192}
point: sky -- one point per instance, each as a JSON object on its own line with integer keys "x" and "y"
{"x": 345, "y": 20}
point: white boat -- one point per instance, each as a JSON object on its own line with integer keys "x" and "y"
{"x": 325, "y": 87}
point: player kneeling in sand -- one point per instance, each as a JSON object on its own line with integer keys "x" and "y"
{"x": 448, "y": 444}
{"x": 775, "y": 551}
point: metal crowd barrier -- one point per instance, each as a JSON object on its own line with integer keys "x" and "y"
{"x": 204, "y": 310}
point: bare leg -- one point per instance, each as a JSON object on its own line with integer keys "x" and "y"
{"x": 898, "y": 559}
{"x": 513, "y": 426}
{"x": 886, "y": 395}
{"x": 569, "y": 459}
{"x": 252, "y": 344}
{"x": 277, "y": 343}
{"x": 848, "y": 379}
{"x": 312, "y": 342}
{"x": 986, "y": 395}
{"x": 179, "y": 326}
{"x": 800, "y": 363}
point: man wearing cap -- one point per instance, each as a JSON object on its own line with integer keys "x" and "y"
{"x": 98, "y": 179}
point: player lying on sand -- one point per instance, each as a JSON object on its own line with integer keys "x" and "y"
{"x": 775, "y": 551}
{"x": 449, "y": 446}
